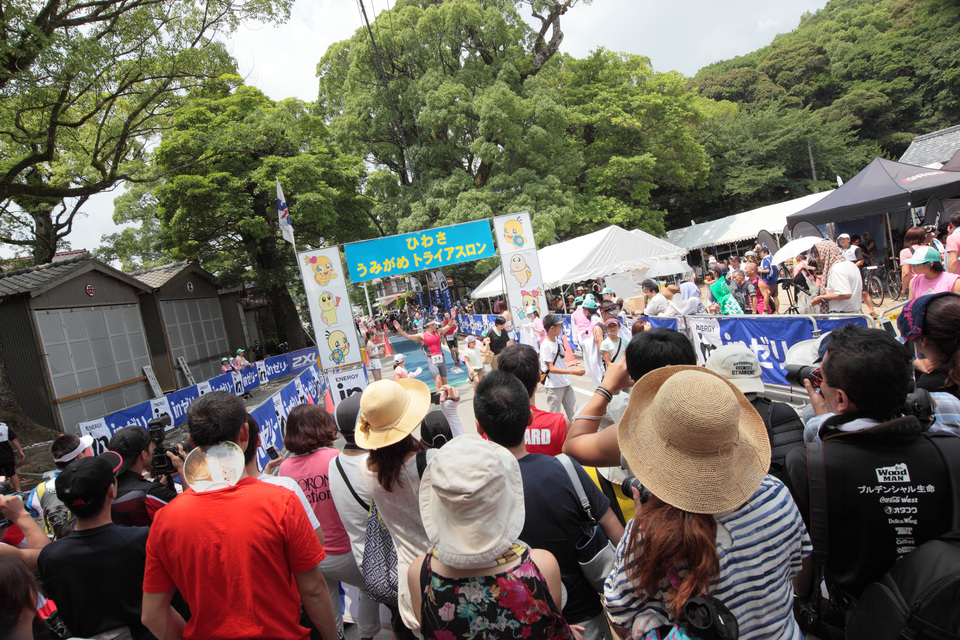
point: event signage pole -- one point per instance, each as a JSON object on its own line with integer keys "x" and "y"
{"x": 520, "y": 265}
{"x": 331, "y": 313}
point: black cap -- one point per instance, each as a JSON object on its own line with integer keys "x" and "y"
{"x": 130, "y": 442}
{"x": 85, "y": 480}
{"x": 551, "y": 320}
{"x": 346, "y": 415}
{"x": 435, "y": 430}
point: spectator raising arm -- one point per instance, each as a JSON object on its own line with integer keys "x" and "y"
{"x": 12, "y": 509}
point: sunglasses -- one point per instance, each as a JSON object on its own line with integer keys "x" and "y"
{"x": 816, "y": 378}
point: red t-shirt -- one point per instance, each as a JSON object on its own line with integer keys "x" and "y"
{"x": 546, "y": 433}
{"x": 233, "y": 554}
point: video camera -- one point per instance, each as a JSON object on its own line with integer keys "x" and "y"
{"x": 161, "y": 463}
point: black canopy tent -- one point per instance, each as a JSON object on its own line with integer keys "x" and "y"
{"x": 883, "y": 186}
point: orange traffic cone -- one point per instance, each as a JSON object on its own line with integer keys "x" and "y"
{"x": 310, "y": 399}
{"x": 568, "y": 358}
{"x": 387, "y": 347}
{"x": 328, "y": 401}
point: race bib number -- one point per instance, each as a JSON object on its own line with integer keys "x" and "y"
{"x": 437, "y": 359}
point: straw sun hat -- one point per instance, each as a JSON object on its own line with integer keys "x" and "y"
{"x": 471, "y": 502}
{"x": 390, "y": 411}
{"x": 694, "y": 440}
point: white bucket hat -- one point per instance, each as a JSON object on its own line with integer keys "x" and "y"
{"x": 471, "y": 502}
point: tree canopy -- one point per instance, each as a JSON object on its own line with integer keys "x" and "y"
{"x": 223, "y": 212}
{"x": 85, "y": 85}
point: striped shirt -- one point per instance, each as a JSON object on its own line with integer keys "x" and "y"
{"x": 760, "y": 545}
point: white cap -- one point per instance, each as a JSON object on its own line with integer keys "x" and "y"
{"x": 399, "y": 358}
{"x": 844, "y": 235}
{"x": 739, "y": 364}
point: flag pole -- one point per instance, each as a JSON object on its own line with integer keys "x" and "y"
{"x": 286, "y": 231}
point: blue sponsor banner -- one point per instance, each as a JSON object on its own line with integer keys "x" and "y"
{"x": 180, "y": 402}
{"x": 447, "y": 298}
{"x": 269, "y": 425}
{"x": 300, "y": 361}
{"x": 770, "y": 338}
{"x": 138, "y": 414}
{"x": 428, "y": 249}
{"x": 223, "y": 383}
{"x": 250, "y": 378}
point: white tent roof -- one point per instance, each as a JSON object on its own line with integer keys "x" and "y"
{"x": 741, "y": 226}
{"x": 601, "y": 253}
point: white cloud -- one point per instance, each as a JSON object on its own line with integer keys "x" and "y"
{"x": 766, "y": 25}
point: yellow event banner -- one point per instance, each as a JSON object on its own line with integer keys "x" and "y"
{"x": 428, "y": 249}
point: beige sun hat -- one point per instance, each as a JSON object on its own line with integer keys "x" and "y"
{"x": 390, "y": 411}
{"x": 471, "y": 502}
{"x": 693, "y": 439}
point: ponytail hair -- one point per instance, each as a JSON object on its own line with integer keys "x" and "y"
{"x": 662, "y": 540}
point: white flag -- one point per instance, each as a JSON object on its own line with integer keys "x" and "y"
{"x": 285, "y": 227}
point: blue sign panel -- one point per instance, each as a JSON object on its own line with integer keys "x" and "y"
{"x": 428, "y": 249}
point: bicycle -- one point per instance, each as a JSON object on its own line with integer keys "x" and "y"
{"x": 873, "y": 285}
{"x": 891, "y": 280}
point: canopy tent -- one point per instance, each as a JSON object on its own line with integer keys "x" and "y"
{"x": 741, "y": 226}
{"x": 884, "y": 186}
{"x": 601, "y": 253}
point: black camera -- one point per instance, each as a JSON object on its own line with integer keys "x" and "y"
{"x": 797, "y": 373}
{"x": 631, "y": 482}
{"x": 161, "y": 463}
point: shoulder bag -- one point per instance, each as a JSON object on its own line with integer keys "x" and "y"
{"x": 595, "y": 552}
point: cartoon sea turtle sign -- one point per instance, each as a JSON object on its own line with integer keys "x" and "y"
{"x": 330, "y": 312}
{"x": 518, "y": 259}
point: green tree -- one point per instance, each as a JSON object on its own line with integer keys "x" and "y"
{"x": 223, "y": 211}
{"x": 85, "y": 85}
{"x": 468, "y": 129}
{"x": 636, "y": 131}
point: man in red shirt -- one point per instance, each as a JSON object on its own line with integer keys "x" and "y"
{"x": 244, "y": 557}
{"x": 546, "y": 431}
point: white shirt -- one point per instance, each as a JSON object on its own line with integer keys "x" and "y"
{"x": 352, "y": 515}
{"x": 657, "y": 306}
{"x": 845, "y": 278}
{"x": 551, "y": 351}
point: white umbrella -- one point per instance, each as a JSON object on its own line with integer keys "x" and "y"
{"x": 794, "y": 248}
{"x": 663, "y": 268}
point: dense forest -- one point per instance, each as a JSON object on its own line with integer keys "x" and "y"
{"x": 865, "y": 76}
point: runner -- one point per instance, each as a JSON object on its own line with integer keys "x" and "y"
{"x": 430, "y": 340}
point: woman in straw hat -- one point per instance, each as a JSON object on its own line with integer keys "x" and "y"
{"x": 389, "y": 414}
{"x": 477, "y": 581}
{"x": 709, "y": 520}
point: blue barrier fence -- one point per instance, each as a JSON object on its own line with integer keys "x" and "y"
{"x": 768, "y": 336}
{"x": 271, "y": 414}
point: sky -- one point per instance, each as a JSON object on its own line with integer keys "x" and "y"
{"x": 681, "y": 35}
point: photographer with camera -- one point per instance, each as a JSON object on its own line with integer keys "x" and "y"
{"x": 885, "y": 460}
{"x": 139, "y": 499}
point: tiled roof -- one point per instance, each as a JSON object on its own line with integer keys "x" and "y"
{"x": 159, "y": 276}
{"x": 27, "y": 280}
{"x": 66, "y": 255}
{"x": 938, "y": 146}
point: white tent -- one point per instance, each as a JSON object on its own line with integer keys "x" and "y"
{"x": 741, "y": 226}
{"x": 601, "y": 253}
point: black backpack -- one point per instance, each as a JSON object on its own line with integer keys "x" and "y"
{"x": 918, "y": 599}
{"x": 784, "y": 428}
